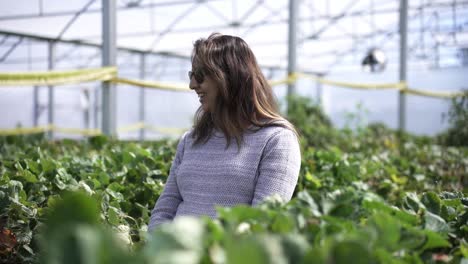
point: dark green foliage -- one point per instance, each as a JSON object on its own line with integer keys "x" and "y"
{"x": 361, "y": 198}
{"x": 457, "y": 134}
{"x": 125, "y": 178}
{"x": 310, "y": 121}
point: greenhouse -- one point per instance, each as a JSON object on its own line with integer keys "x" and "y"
{"x": 234, "y": 131}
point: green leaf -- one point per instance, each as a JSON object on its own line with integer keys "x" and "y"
{"x": 28, "y": 176}
{"x": 178, "y": 242}
{"x": 214, "y": 229}
{"x": 350, "y": 251}
{"x": 434, "y": 240}
{"x": 52, "y": 200}
{"x": 283, "y": 223}
{"x": 312, "y": 206}
{"x": 388, "y": 230}
{"x": 295, "y": 247}
{"x": 464, "y": 249}
{"x": 339, "y": 203}
{"x": 85, "y": 187}
{"x": 128, "y": 157}
{"x": 143, "y": 152}
{"x": 262, "y": 248}
{"x": 63, "y": 174}
{"x": 98, "y": 141}
{"x": 412, "y": 238}
{"x": 47, "y": 165}
{"x": 385, "y": 256}
{"x": 399, "y": 214}
{"x": 240, "y": 213}
{"x": 432, "y": 202}
{"x": 411, "y": 201}
{"x": 84, "y": 243}
{"x": 435, "y": 223}
{"x": 316, "y": 184}
{"x": 104, "y": 178}
{"x": 448, "y": 213}
{"x": 59, "y": 183}
{"x": 33, "y": 166}
{"x": 116, "y": 195}
{"x": 73, "y": 208}
{"x": 18, "y": 166}
{"x": 113, "y": 216}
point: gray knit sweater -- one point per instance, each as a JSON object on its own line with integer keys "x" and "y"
{"x": 209, "y": 175}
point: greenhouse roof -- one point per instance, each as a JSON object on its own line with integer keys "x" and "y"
{"x": 331, "y": 34}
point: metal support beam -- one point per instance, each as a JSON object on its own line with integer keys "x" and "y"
{"x": 292, "y": 42}
{"x": 109, "y": 52}
{"x": 50, "y": 112}
{"x": 437, "y": 43}
{"x": 97, "y": 98}
{"x": 402, "y": 73}
{"x": 142, "y": 94}
{"x": 266, "y": 21}
{"x": 88, "y": 44}
{"x": 171, "y": 25}
{"x": 121, "y": 8}
{"x": 319, "y": 92}
{"x": 85, "y": 43}
{"x": 35, "y": 105}
{"x": 86, "y": 108}
{"x": 74, "y": 18}
{"x": 333, "y": 20}
{"x": 12, "y": 48}
{"x": 35, "y": 88}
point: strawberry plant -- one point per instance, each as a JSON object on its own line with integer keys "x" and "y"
{"x": 361, "y": 197}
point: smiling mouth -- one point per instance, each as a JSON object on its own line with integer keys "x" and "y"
{"x": 201, "y": 96}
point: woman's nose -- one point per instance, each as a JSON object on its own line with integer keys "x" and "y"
{"x": 193, "y": 84}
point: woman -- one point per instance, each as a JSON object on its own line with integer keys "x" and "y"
{"x": 240, "y": 150}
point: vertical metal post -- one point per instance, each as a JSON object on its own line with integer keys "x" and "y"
{"x": 372, "y": 19}
{"x": 86, "y": 108}
{"x": 35, "y": 89}
{"x": 318, "y": 85}
{"x": 355, "y": 39}
{"x": 142, "y": 94}
{"x": 96, "y": 107}
{"x": 422, "y": 30}
{"x": 437, "y": 44}
{"x": 109, "y": 52}
{"x": 454, "y": 20}
{"x": 271, "y": 73}
{"x": 35, "y": 105}
{"x": 235, "y": 17}
{"x": 403, "y": 51}
{"x": 50, "y": 116}
{"x": 292, "y": 43}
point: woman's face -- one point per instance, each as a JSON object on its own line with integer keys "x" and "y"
{"x": 205, "y": 87}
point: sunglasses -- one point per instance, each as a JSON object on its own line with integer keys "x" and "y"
{"x": 198, "y": 75}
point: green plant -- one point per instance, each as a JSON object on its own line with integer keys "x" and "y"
{"x": 357, "y": 121}
{"x": 312, "y": 123}
{"x": 359, "y": 197}
{"x": 457, "y": 133}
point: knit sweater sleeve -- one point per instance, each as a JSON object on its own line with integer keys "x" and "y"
{"x": 166, "y": 206}
{"x": 279, "y": 167}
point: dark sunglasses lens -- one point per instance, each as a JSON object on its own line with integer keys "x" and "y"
{"x": 199, "y": 77}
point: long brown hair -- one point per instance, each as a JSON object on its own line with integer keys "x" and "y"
{"x": 244, "y": 96}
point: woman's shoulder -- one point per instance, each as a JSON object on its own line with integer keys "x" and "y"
{"x": 275, "y": 129}
{"x": 187, "y": 135}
